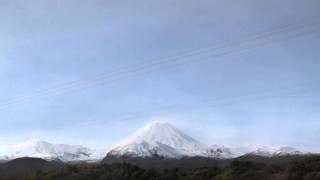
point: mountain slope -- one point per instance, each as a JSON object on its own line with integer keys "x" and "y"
{"x": 21, "y": 167}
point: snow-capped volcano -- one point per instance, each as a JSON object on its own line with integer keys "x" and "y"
{"x": 45, "y": 150}
{"x": 161, "y": 139}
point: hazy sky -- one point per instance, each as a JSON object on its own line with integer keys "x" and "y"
{"x": 55, "y": 56}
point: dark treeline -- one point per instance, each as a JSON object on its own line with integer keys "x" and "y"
{"x": 305, "y": 169}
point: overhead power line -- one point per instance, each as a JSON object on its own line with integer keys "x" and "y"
{"x": 277, "y": 34}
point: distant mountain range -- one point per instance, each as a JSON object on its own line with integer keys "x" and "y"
{"x": 48, "y": 151}
{"x": 153, "y": 140}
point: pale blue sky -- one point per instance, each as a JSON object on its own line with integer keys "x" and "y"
{"x": 267, "y": 95}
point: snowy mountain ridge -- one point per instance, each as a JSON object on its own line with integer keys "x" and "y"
{"x": 267, "y": 151}
{"x": 48, "y": 151}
